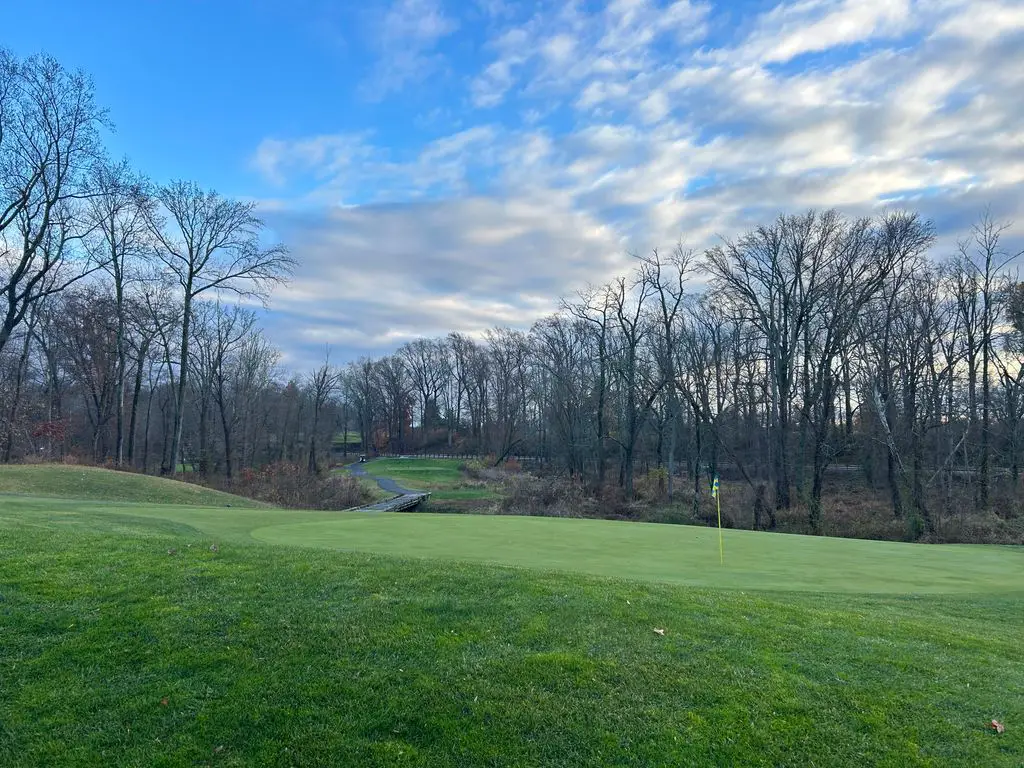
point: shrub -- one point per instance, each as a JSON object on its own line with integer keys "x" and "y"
{"x": 286, "y": 484}
{"x": 652, "y": 486}
{"x": 558, "y": 496}
{"x": 473, "y": 469}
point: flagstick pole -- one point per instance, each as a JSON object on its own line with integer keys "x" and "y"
{"x": 721, "y": 550}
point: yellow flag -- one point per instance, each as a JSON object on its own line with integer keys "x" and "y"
{"x": 718, "y": 503}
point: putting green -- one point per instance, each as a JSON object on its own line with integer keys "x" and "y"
{"x": 669, "y": 553}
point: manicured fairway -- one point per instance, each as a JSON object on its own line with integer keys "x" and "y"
{"x": 419, "y": 474}
{"x": 173, "y": 635}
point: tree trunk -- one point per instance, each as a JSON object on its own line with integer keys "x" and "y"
{"x": 136, "y": 391}
{"x": 985, "y": 478}
{"x": 12, "y": 413}
{"x": 121, "y": 366}
{"x": 179, "y": 402}
{"x": 671, "y": 462}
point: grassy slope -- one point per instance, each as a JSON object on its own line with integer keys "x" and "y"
{"x": 116, "y": 653}
{"x": 60, "y": 480}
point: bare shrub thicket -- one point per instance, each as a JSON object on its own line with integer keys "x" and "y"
{"x": 286, "y": 484}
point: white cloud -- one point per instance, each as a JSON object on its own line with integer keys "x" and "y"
{"x": 809, "y": 27}
{"x": 557, "y": 52}
{"x": 663, "y": 138}
{"x": 373, "y": 275}
{"x": 406, "y": 38}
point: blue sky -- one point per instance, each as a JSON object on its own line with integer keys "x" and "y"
{"x": 438, "y": 165}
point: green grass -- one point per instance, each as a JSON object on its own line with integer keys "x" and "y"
{"x": 115, "y": 652}
{"x": 674, "y": 554}
{"x": 94, "y": 483}
{"x": 442, "y": 477}
{"x": 420, "y": 474}
{"x": 321, "y": 638}
{"x": 347, "y": 438}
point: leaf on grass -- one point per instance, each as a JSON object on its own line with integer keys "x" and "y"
{"x": 164, "y": 702}
{"x": 660, "y": 631}
{"x": 997, "y": 726}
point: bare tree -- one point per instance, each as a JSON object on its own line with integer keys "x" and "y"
{"x": 427, "y": 365}
{"x": 48, "y": 136}
{"x": 769, "y": 278}
{"x": 117, "y": 210}
{"x": 209, "y": 243}
{"x": 322, "y": 385}
{"x": 508, "y": 356}
{"x": 219, "y": 332}
{"x": 637, "y": 375}
{"x": 562, "y": 348}
{"x": 667, "y": 278}
{"x": 594, "y": 306}
{"x": 984, "y": 257}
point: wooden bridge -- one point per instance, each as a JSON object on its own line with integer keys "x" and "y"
{"x": 400, "y": 503}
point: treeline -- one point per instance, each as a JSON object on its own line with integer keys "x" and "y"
{"x": 812, "y": 344}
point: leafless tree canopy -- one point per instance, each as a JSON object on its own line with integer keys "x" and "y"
{"x": 48, "y": 138}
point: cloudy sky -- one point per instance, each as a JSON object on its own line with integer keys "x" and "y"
{"x": 441, "y": 165}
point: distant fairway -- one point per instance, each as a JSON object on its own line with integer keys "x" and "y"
{"x": 448, "y": 486}
{"x": 178, "y": 634}
{"x": 419, "y": 474}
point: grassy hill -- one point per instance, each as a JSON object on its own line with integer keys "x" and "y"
{"x": 129, "y": 640}
{"x": 94, "y": 483}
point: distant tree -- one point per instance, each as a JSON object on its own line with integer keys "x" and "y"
{"x": 117, "y": 212}
{"x": 209, "y": 243}
{"x": 322, "y": 384}
{"x": 667, "y": 278}
{"x": 984, "y": 258}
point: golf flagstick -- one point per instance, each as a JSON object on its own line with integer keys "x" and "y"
{"x": 716, "y": 495}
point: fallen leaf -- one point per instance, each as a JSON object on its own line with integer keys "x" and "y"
{"x": 164, "y": 702}
{"x": 660, "y": 631}
{"x": 218, "y": 750}
{"x": 172, "y": 551}
{"x": 998, "y": 727}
